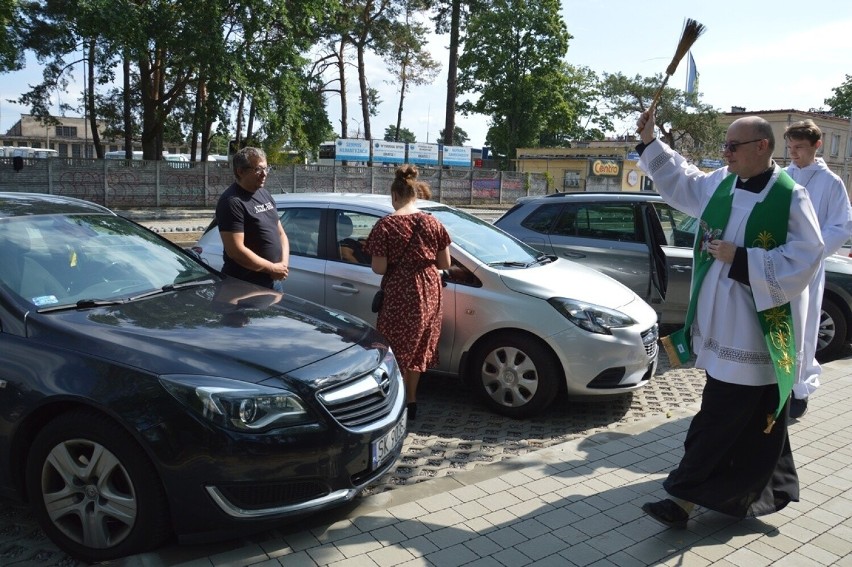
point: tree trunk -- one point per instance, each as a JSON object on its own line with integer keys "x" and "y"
{"x": 160, "y": 112}
{"x": 197, "y": 120}
{"x": 365, "y": 100}
{"x": 452, "y": 74}
{"x": 149, "y": 108}
{"x": 250, "y": 125}
{"x": 126, "y": 114}
{"x": 90, "y": 103}
{"x": 341, "y": 71}
{"x": 402, "y": 75}
{"x": 240, "y": 107}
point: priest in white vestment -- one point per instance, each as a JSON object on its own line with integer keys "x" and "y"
{"x": 733, "y": 463}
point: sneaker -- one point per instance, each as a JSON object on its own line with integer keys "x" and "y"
{"x": 798, "y": 407}
{"x": 667, "y": 513}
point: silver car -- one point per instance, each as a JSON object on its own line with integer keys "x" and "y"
{"x": 517, "y": 324}
{"x": 646, "y": 244}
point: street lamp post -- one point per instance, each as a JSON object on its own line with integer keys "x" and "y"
{"x": 358, "y": 123}
{"x": 85, "y": 109}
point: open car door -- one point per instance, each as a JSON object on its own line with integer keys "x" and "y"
{"x": 656, "y": 239}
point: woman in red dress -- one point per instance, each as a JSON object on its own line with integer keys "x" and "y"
{"x": 409, "y": 248}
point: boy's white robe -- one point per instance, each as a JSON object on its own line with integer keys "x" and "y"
{"x": 834, "y": 213}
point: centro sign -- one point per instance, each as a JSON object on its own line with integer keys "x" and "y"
{"x": 605, "y": 167}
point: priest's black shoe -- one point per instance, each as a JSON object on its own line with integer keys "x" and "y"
{"x": 798, "y": 407}
{"x": 667, "y": 513}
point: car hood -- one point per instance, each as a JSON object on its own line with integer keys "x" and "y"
{"x": 563, "y": 278}
{"x": 838, "y": 264}
{"x": 214, "y": 330}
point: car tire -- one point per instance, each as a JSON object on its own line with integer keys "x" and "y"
{"x": 93, "y": 490}
{"x": 833, "y": 327}
{"x": 515, "y": 375}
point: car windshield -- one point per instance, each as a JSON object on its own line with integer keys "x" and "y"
{"x": 86, "y": 259}
{"x": 483, "y": 241}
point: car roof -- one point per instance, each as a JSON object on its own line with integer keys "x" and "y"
{"x": 25, "y": 204}
{"x": 377, "y": 201}
{"x": 574, "y": 197}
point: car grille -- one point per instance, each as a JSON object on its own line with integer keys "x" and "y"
{"x": 362, "y": 401}
{"x": 650, "y": 340}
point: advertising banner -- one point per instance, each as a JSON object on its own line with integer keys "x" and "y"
{"x": 423, "y": 154}
{"x": 352, "y": 150}
{"x": 604, "y": 167}
{"x": 456, "y": 156}
{"x": 388, "y": 152}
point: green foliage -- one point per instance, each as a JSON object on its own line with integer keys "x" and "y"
{"x": 587, "y": 110}
{"x": 11, "y": 48}
{"x": 405, "y": 135}
{"x": 407, "y": 60}
{"x": 512, "y": 66}
{"x": 191, "y": 64}
{"x": 685, "y": 124}
{"x": 460, "y": 137}
{"x": 840, "y": 102}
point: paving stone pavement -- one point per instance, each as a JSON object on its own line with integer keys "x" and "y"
{"x": 453, "y": 433}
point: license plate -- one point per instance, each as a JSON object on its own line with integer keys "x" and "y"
{"x": 384, "y": 446}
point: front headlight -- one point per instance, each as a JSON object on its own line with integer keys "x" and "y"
{"x": 237, "y": 405}
{"x": 592, "y": 318}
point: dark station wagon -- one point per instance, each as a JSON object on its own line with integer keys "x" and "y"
{"x": 142, "y": 394}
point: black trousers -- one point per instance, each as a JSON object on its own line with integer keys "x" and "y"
{"x": 729, "y": 464}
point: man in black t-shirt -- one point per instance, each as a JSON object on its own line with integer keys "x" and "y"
{"x": 256, "y": 248}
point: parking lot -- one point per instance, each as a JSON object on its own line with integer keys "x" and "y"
{"x": 453, "y": 433}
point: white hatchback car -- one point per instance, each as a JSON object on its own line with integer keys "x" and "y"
{"x": 517, "y": 324}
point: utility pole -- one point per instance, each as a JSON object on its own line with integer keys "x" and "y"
{"x": 846, "y": 156}
{"x": 85, "y": 109}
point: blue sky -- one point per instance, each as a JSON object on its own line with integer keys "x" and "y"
{"x": 780, "y": 55}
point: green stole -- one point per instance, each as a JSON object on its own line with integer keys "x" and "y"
{"x": 766, "y": 228}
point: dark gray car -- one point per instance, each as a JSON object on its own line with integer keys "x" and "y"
{"x": 646, "y": 244}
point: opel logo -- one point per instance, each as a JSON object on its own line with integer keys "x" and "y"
{"x": 383, "y": 382}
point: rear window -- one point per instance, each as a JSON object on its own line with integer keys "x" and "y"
{"x": 542, "y": 218}
{"x": 606, "y": 221}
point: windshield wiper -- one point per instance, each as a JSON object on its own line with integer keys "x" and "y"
{"x": 509, "y": 264}
{"x": 173, "y": 287}
{"x": 83, "y": 304}
{"x": 542, "y": 259}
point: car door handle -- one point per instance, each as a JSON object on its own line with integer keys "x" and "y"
{"x": 573, "y": 255}
{"x": 681, "y": 267}
{"x": 345, "y": 288}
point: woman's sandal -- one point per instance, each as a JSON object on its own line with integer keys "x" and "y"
{"x": 667, "y": 513}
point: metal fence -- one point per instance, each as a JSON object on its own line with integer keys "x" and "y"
{"x": 138, "y": 183}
